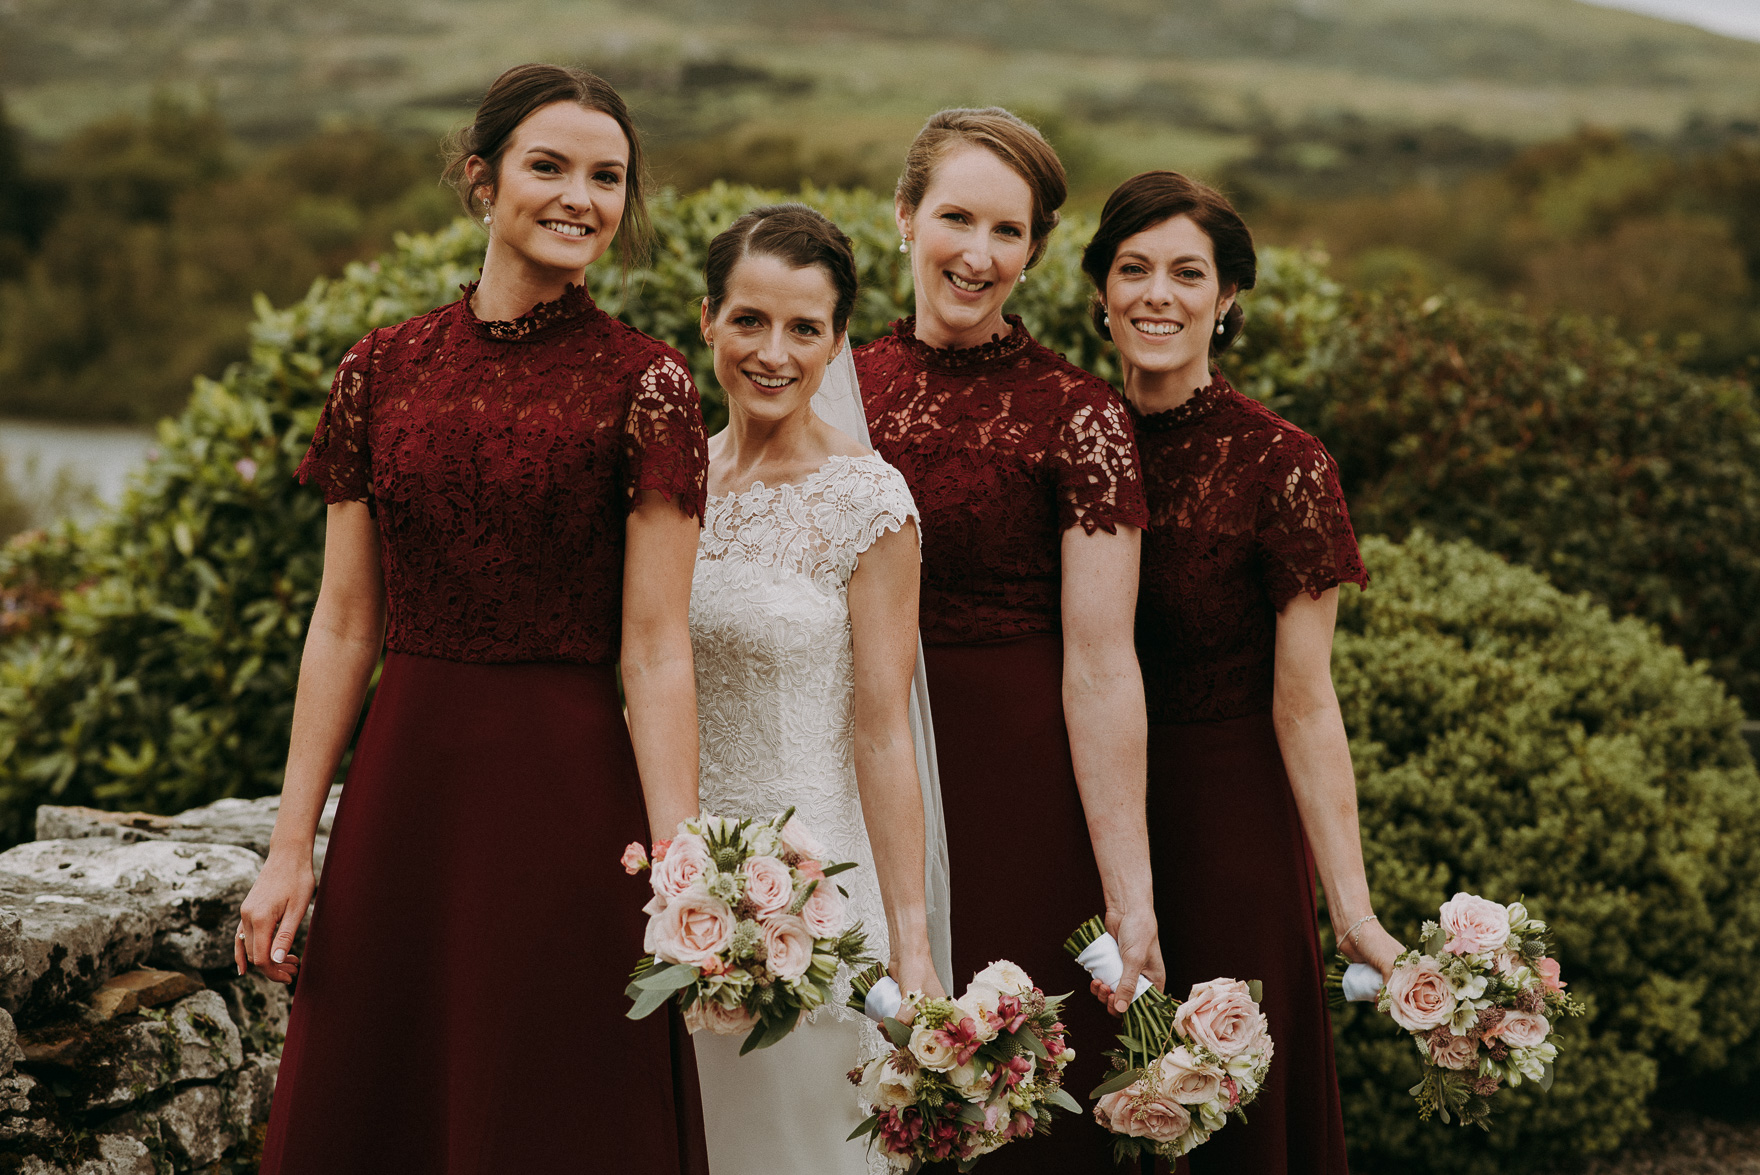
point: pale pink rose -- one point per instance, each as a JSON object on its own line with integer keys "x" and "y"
{"x": 1419, "y": 998}
{"x": 1548, "y": 969}
{"x": 1222, "y": 1017}
{"x": 693, "y": 928}
{"x": 810, "y": 869}
{"x": 1521, "y": 1030}
{"x": 718, "y": 1020}
{"x": 799, "y": 841}
{"x": 1451, "y": 1051}
{"x": 1186, "y": 1081}
{"x": 635, "y": 858}
{"x": 824, "y": 912}
{"x": 683, "y": 865}
{"x": 1475, "y": 926}
{"x": 788, "y": 944}
{"x": 769, "y": 886}
{"x": 1130, "y": 1113}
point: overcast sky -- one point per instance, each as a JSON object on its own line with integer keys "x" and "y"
{"x": 1736, "y": 18}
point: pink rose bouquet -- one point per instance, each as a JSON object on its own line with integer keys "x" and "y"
{"x": 1480, "y": 1000}
{"x": 964, "y": 1076}
{"x": 745, "y": 930}
{"x": 1181, "y": 1069}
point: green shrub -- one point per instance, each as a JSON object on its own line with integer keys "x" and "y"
{"x": 1519, "y": 742}
{"x": 1601, "y": 462}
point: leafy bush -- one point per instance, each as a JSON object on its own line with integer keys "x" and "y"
{"x": 1551, "y": 440}
{"x": 1519, "y": 742}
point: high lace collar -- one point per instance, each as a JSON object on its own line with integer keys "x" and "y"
{"x": 1205, "y": 401}
{"x": 573, "y": 306}
{"x": 999, "y": 347}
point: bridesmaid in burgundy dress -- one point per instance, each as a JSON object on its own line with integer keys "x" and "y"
{"x": 516, "y": 483}
{"x": 1248, "y": 542}
{"x": 1026, "y": 475}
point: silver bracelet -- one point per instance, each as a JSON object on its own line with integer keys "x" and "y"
{"x": 1354, "y": 928}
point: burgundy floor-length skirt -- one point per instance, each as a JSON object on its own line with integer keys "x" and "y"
{"x": 1021, "y": 864}
{"x": 460, "y": 1006}
{"x": 1234, "y": 893}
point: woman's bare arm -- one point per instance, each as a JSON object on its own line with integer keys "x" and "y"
{"x": 1317, "y": 755}
{"x": 1108, "y": 736}
{"x": 883, "y": 626}
{"x": 342, "y": 647}
{"x": 659, "y": 677}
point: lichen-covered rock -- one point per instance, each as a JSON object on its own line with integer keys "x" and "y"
{"x": 259, "y": 1007}
{"x": 59, "y": 941}
{"x": 198, "y": 1124}
{"x": 10, "y": 1053}
{"x": 196, "y": 1040}
{"x": 27, "y": 1119}
{"x": 188, "y": 894}
{"x": 246, "y": 823}
{"x": 122, "y": 1155}
{"x": 253, "y": 1089}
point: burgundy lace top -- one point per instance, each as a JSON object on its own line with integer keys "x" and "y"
{"x": 1005, "y": 446}
{"x": 501, "y": 459}
{"x": 1245, "y": 512}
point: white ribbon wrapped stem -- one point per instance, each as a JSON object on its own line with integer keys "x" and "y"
{"x": 1101, "y": 959}
{"x": 1362, "y": 983}
{"x": 883, "y": 1000}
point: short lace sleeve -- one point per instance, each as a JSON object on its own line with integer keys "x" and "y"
{"x": 1305, "y": 538}
{"x": 664, "y": 445}
{"x": 340, "y": 460}
{"x": 881, "y": 503}
{"x": 1099, "y": 477}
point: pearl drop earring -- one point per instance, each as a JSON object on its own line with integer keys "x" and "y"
{"x": 1220, "y": 326}
{"x": 904, "y": 246}
{"x": 1105, "y": 319}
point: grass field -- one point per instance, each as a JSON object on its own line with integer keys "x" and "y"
{"x": 1142, "y": 82}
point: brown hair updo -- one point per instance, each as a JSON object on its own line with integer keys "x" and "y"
{"x": 1144, "y": 201}
{"x": 792, "y": 233}
{"x": 1016, "y": 143}
{"x": 521, "y": 92}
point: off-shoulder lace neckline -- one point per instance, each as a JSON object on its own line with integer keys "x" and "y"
{"x": 824, "y": 471}
{"x": 963, "y": 358}
{"x": 574, "y": 305}
{"x": 1205, "y": 401}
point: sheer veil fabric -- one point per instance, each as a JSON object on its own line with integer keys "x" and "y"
{"x": 839, "y": 403}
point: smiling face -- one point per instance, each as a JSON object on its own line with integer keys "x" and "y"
{"x": 772, "y": 336}
{"x": 970, "y": 240}
{"x": 1164, "y": 299}
{"x": 557, "y": 201}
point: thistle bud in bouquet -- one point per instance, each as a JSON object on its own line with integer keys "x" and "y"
{"x": 961, "y": 1076}
{"x": 746, "y": 930}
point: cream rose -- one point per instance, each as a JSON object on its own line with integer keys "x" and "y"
{"x": 796, "y": 838}
{"x": 824, "y": 912}
{"x": 788, "y": 945}
{"x": 1221, "y": 1016}
{"x": 684, "y": 864}
{"x": 1453, "y": 1052}
{"x": 998, "y": 979}
{"x": 1419, "y": 997}
{"x": 970, "y": 1080}
{"x": 1521, "y": 1030}
{"x": 693, "y": 928}
{"x": 1475, "y": 926}
{"x": 887, "y": 1088}
{"x": 932, "y": 1049}
{"x": 720, "y": 1021}
{"x": 769, "y": 885}
{"x": 1128, "y": 1112}
{"x": 1186, "y": 1081}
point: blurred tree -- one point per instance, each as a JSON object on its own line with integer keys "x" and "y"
{"x": 25, "y": 202}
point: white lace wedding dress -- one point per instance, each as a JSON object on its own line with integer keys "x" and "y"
{"x": 771, "y": 634}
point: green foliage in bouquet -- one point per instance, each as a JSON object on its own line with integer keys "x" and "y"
{"x": 1601, "y": 462}
{"x": 1512, "y": 739}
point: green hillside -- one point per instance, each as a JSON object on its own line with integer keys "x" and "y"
{"x": 1181, "y": 81}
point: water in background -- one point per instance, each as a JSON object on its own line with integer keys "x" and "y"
{"x": 59, "y": 468}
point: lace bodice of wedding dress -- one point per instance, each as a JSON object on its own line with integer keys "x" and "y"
{"x": 770, "y": 632}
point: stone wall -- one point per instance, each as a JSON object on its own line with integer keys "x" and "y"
{"x": 128, "y": 1043}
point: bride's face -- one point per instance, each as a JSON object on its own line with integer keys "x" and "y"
{"x": 772, "y": 336}
{"x": 970, "y": 239}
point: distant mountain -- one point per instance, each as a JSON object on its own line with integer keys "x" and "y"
{"x": 1521, "y": 68}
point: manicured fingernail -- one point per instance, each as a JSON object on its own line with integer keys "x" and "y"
{"x": 278, "y": 954}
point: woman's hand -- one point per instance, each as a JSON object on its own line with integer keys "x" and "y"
{"x": 1373, "y": 945}
{"x": 271, "y": 916}
{"x": 916, "y": 972}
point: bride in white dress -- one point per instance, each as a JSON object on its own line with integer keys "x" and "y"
{"x": 804, "y": 629}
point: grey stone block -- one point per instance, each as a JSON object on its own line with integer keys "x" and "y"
{"x": 197, "y": 1124}
{"x": 195, "y": 1041}
{"x": 260, "y": 1008}
{"x": 246, "y": 823}
{"x": 123, "y": 1155}
{"x": 10, "y": 1053}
